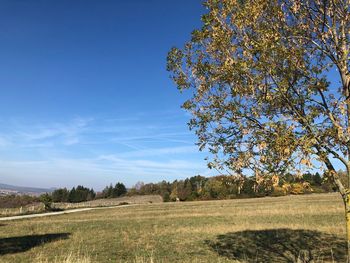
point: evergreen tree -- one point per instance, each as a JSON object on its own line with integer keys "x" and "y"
{"x": 60, "y": 195}
{"x": 110, "y": 191}
{"x": 119, "y": 189}
{"x": 72, "y": 195}
{"x": 317, "y": 179}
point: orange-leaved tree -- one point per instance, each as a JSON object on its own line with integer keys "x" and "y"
{"x": 271, "y": 87}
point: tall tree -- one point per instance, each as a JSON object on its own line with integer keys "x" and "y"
{"x": 119, "y": 190}
{"x": 271, "y": 87}
{"x": 60, "y": 195}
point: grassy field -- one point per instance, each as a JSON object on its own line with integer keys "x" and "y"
{"x": 137, "y": 199}
{"x": 40, "y": 207}
{"x": 307, "y": 228}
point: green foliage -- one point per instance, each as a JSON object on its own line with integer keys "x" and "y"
{"x": 190, "y": 189}
{"x": 75, "y": 195}
{"x": 317, "y": 180}
{"x": 81, "y": 194}
{"x": 214, "y": 189}
{"x": 46, "y": 199}
{"x": 119, "y": 190}
{"x": 228, "y": 187}
{"x": 60, "y": 195}
{"x": 112, "y": 192}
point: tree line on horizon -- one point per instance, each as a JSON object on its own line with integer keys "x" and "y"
{"x": 194, "y": 188}
{"x": 229, "y": 187}
{"x": 82, "y": 194}
{"x": 63, "y": 195}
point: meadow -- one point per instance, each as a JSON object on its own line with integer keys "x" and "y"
{"x": 305, "y": 228}
{"x": 35, "y": 208}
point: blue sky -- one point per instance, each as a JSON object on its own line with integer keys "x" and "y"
{"x": 85, "y": 97}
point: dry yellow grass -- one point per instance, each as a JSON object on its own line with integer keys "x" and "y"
{"x": 40, "y": 207}
{"x": 70, "y": 258}
{"x": 281, "y": 229}
{"x": 137, "y": 199}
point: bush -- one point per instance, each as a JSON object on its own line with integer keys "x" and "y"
{"x": 46, "y": 199}
{"x": 278, "y": 191}
{"x": 13, "y": 201}
{"x": 297, "y": 188}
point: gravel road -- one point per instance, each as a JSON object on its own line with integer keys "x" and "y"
{"x": 57, "y": 213}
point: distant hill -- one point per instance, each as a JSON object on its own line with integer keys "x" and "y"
{"x": 13, "y": 189}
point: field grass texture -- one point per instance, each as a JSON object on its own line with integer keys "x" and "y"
{"x": 306, "y": 228}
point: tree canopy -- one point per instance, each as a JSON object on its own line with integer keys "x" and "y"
{"x": 271, "y": 85}
{"x": 271, "y": 88}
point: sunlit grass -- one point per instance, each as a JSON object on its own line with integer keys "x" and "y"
{"x": 185, "y": 232}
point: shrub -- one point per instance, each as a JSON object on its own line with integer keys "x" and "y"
{"x": 297, "y": 188}
{"x": 278, "y": 191}
{"x": 13, "y": 201}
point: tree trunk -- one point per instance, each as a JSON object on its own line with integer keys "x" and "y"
{"x": 347, "y": 216}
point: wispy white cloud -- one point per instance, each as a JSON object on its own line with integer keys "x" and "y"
{"x": 161, "y": 151}
{"x": 67, "y": 131}
{"x": 96, "y": 151}
{"x": 4, "y": 142}
{"x": 89, "y": 131}
{"x": 180, "y": 137}
{"x": 98, "y": 171}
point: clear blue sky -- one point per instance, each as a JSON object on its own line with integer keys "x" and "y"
{"x": 85, "y": 97}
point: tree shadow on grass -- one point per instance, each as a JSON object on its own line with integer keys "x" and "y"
{"x": 280, "y": 245}
{"x": 12, "y": 245}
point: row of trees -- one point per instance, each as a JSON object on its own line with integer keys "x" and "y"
{"x": 75, "y": 195}
{"x": 63, "y": 195}
{"x": 193, "y": 188}
{"x": 81, "y": 193}
{"x": 111, "y": 192}
{"x": 226, "y": 187}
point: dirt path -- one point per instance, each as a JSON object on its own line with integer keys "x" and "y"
{"x": 57, "y": 213}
